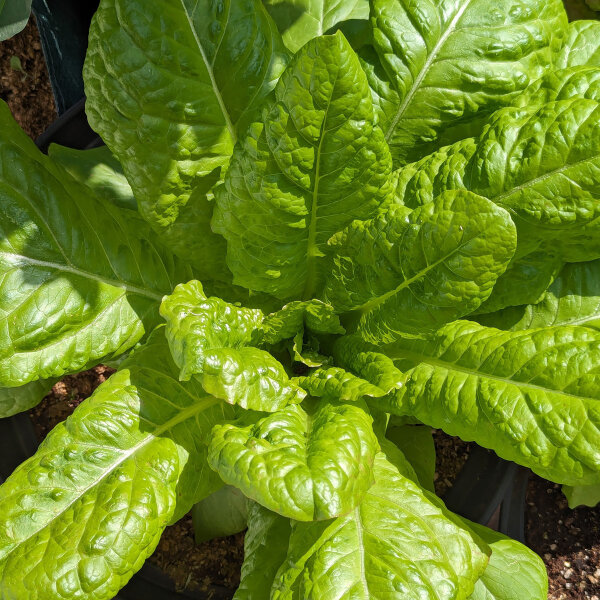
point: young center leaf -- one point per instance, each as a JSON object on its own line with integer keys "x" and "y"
{"x": 307, "y": 463}
{"x": 130, "y": 460}
{"x": 302, "y": 20}
{"x": 335, "y": 384}
{"x": 410, "y": 272}
{"x": 533, "y": 396}
{"x": 314, "y": 163}
{"x": 216, "y": 342}
{"x": 436, "y": 64}
{"x": 170, "y": 87}
{"x": 80, "y": 279}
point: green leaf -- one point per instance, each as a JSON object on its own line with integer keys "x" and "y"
{"x": 440, "y": 64}
{"x": 540, "y": 164}
{"x": 130, "y": 460}
{"x": 582, "y": 495}
{"x": 170, "y": 86}
{"x": 581, "y": 47}
{"x": 295, "y": 317}
{"x": 223, "y": 513}
{"x": 14, "y": 400}
{"x": 313, "y": 164}
{"x": 14, "y": 15}
{"x": 573, "y": 299}
{"x": 416, "y": 444}
{"x": 335, "y": 384}
{"x": 414, "y": 271}
{"x": 99, "y": 170}
{"x": 307, "y": 352}
{"x": 299, "y": 21}
{"x": 265, "y": 545}
{"x": 307, "y": 464}
{"x": 216, "y": 342}
{"x": 514, "y": 571}
{"x": 525, "y": 281}
{"x": 399, "y": 543}
{"x": 80, "y": 279}
{"x": 532, "y": 396}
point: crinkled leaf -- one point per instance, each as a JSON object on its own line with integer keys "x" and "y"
{"x": 438, "y": 64}
{"x": 215, "y": 342}
{"x": 540, "y": 164}
{"x": 573, "y": 299}
{"x": 581, "y": 47}
{"x": 313, "y": 164}
{"x": 265, "y": 546}
{"x": 314, "y": 315}
{"x": 302, "y": 20}
{"x": 80, "y": 279}
{"x": 514, "y": 572}
{"x": 525, "y": 281}
{"x": 532, "y": 396}
{"x": 14, "y": 400}
{"x": 416, "y": 444}
{"x": 14, "y": 15}
{"x": 399, "y": 543}
{"x": 223, "y": 513}
{"x": 307, "y": 351}
{"x": 333, "y": 383}
{"x": 414, "y": 271}
{"x": 99, "y": 170}
{"x": 582, "y": 495}
{"x": 170, "y": 86}
{"x": 130, "y": 459}
{"x": 308, "y": 464}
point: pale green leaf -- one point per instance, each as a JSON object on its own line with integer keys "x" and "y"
{"x": 130, "y": 459}
{"x": 14, "y": 400}
{"x": 314, "y": 163}
{"x": 439, "y": 64}
{"x": 414, "y": 271}
{"x": 223, "y": 513}
{"x": 14, "y": 15}
{"x": 306, "y": 463}
{"x": 582, "y": 495}
{"x": 581, "y": 47}
{"x": 215, "y": 342}
{"x": 335, "y": 384}
{"x": 80, "y": 279}
{"x": 170, "y": 86}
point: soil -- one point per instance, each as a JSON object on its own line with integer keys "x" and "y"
{"x": 451, "y": 453}
{"x": 24, "y": 83}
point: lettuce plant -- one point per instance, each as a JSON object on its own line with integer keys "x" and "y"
{"x": 318, "y": 229}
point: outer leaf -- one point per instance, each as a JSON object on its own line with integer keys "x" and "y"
{"x": 111, "y": 477}
{"x": 416, "y": 444}
{"x": 442, "y": 64}
{"x": 371, "y": 552}
{"x": 314, "y": 163}
{"x": 223, "y": 513}
{"x": 514, "y": 571}
{"x": 265, "y": 545}
{"x": 573, "y": 299}
{"x": 582, "y": 495}
{"x": 525, "y": 280}
{"x": 69, "y": 296}
{"x": 14, "y": 400}
{"x": 304, "y": 465}
{"x": 582, "y": 45}
{"x": 540, "y": 164}
{"x": 170, "y": 86}
{"x": 413, "y": 272}
{"x": 99, "y": 170}
{"x": 314, "y": 315}
{"x": 532, "y": 396}
{"x": 333, "y": 383}
{"x": 214, "y": 341}
{"x": 302, "y": 20}
{"x": 14, "y": 15}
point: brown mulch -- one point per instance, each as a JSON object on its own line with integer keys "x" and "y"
{"x": 24, "y": 83}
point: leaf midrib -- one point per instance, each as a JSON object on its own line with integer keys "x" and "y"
{"x": 419, "y": 358}
{"x": 132, "y": 289}
{"x": 423, "y": 73}
{"x": 201, "y": 404}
